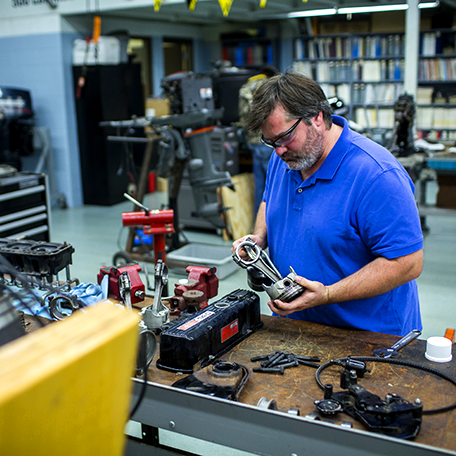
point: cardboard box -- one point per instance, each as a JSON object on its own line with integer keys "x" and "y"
{"x": 157, "y": 107}
{"x": 446, "y": 197}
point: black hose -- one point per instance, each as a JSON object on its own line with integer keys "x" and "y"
{"x": 341, "y": 361}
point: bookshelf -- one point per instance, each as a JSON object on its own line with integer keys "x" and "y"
{"x": 248, "y": 52}
{"x": 366, "y": 71}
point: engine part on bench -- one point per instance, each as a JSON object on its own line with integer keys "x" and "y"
{"x": 263, "y": 403}
{"x": 200, "y": 278}
{"x": 61, "y": 301}
{"x": 283, "y": 289}
{"x": 125, "y": 289}
{"x": 114, "y": 273}
{"x": 147, "y": 347}
{"x": 221, "y": 379}
{"x": 39, "y": 259}
{"x": 393, "y": 416}
{"x": 156, "y": 315}
{"x": 209, "y": 333}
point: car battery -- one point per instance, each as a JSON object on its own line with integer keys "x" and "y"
{"x": 204, "y": 336}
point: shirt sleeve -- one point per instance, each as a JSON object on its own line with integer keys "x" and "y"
{"x": 388, "y": 217}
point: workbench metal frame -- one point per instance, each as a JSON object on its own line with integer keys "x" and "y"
{"x": 249, "y": 428}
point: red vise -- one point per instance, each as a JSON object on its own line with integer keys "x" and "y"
{"x": 114, "y": 272}
{"x": 157, "y": 223}
{"x": 201, "y": 279}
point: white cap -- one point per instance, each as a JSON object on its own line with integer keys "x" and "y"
{"x": 438, "y": 349}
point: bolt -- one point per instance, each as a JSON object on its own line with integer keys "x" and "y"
{"x": 273, "y": 360}
{"x": 269, "y": 370}
{"x": 172, "y": 424}
{"x": 292, "y": 364}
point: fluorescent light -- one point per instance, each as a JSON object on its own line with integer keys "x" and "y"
{"x": 358, "y": 9}
{"x": 428, "y": 5}
{"x": 312, "y": 13}
{"x": 372, "y": 9}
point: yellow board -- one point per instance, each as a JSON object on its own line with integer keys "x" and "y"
{"x": 240, "y": 216}
{"x": 65, "y": 389}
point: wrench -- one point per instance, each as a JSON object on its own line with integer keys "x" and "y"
{"x": 392, "y": 351}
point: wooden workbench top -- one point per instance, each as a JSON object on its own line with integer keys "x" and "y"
{"x": 297, "y": 388}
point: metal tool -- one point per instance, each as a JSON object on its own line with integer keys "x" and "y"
{"x": 125, "y": 289}
{"x": 201, "y": 279}
{"x": 157, "y": 314}
{"x": 392, "y": 351}
{"x": 137, "y": 289}
{"x": 284, "y": 289}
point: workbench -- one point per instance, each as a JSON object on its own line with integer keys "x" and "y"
{"x": 244, "y": 426}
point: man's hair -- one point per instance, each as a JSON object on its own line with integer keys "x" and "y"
{"x": 300, "y": 96}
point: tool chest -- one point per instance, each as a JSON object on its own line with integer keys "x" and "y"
{"x": 24, "y": 206}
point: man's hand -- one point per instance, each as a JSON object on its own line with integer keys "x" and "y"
{"x": 316, "y": 294}
{"x": 257, "y": 239}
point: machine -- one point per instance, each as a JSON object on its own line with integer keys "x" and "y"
{"x": 16, "y": 126}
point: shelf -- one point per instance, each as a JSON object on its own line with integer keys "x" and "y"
{"x": 373, "y": 105}
{"x": 436, "y": 105}
{"x": 436, "y": 81}
{"x": 438, "y": 56}
{"x": 382, "y": 81}
{"x": 373, "y": 68}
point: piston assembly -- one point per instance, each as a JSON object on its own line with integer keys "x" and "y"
{"x": 262, "y": 275}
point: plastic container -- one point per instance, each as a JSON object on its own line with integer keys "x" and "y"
{"x": 438, "y": 349}
{"x": 202, "y": 255}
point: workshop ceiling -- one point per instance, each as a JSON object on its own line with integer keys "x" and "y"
{"x": 241, "y": 11}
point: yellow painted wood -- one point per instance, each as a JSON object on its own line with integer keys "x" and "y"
{"x": 65, "y": 389}
{"x": 240, "y": 217}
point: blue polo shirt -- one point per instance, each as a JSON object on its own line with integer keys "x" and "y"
{"x": 359, "y": 205}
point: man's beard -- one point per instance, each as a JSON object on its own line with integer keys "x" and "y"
{"x": 310, "y": 153}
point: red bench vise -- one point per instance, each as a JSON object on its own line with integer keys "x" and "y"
{"x": 114, "y": 272}
{"x": 158, "y": 223}
{"x": 200, "y": 279}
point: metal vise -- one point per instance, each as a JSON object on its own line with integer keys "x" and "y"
{"x": 200, "y": 279}
{"x": 114, "y": 273}
{"x": 157, "y": 223}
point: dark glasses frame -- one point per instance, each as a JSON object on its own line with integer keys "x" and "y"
{"x": 277, "y": 143}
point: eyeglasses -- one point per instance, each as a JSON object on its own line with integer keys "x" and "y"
{"x": 282, "y": 140}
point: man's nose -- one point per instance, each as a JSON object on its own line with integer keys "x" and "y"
{"x": 280, "y": 150}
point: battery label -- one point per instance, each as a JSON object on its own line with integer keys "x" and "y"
{"x": 230, "y": 330}
{"x": 196, "y": 320}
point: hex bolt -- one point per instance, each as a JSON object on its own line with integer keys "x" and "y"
{"x": 292, "y": 364}
{"x": 274, "y": 360}
{"x": 259, "y": 358}
{"x": 269, "y": 370}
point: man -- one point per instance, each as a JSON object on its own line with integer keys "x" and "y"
{"x": 260, "y": 152}
{"x": 340, "y": 210}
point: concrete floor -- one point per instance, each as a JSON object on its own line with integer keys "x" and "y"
{"x": 97, "y": 233}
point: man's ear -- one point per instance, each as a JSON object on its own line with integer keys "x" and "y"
{"x": 318, "y": 119}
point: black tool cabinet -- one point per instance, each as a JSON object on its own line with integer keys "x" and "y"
{"x": 111, "y": 92}
{"x": 24, "y": 206}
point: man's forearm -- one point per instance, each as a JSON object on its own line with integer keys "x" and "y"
{"x": 376, "y": 278}
{"x": 260, "y": 229}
